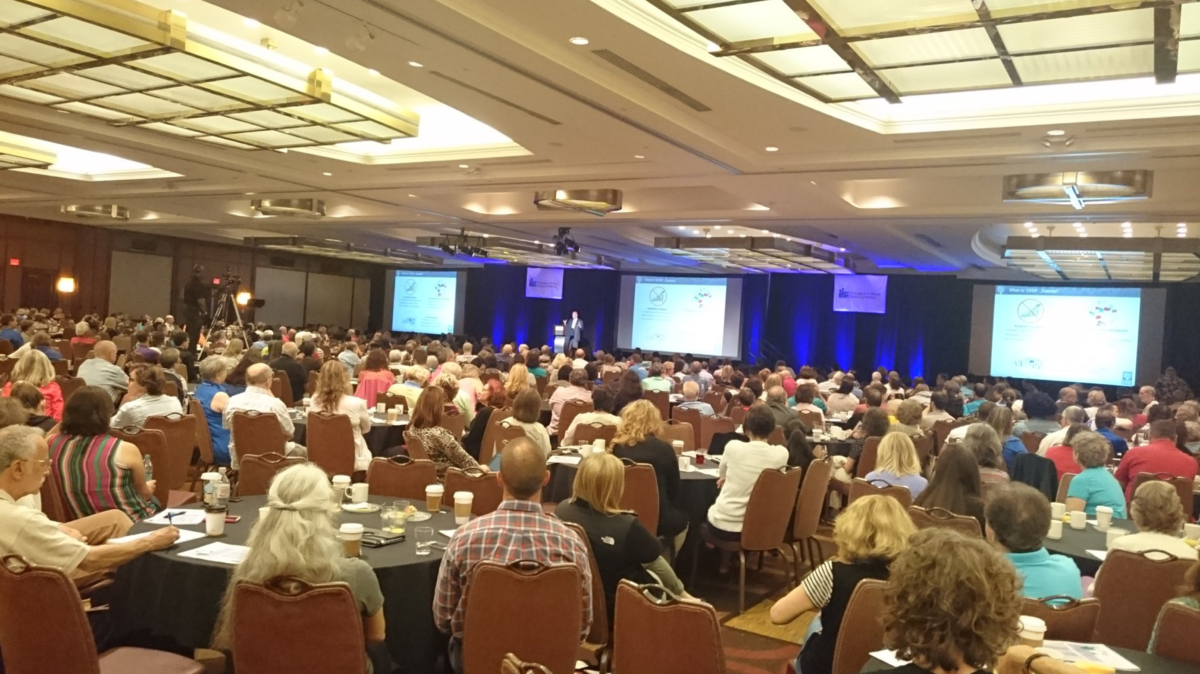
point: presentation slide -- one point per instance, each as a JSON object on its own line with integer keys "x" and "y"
{"x": 425, "y": 302}
{"x": 673, "y": 314}
{"x": 544, "y": 283}
{"x": 1087, "y": 335}
{"x": 860, "y": 294}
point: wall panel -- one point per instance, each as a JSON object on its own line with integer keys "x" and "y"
{"x": 329, "y": 300}
{"x": 140, "y": 284}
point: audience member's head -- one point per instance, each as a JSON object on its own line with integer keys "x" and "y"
{"x": 1068, "y": 395}
{"x": 259, "y": 374}
{"x": 29, "y": 396}
{"x": 909, "y": 413}
{"x": 600, "y": 481}
{"x": 776, "y": 394}
{"x": 875, "y": 422}
{"x": 35, "y": 368}
{"x": 639, "y": 420}
{"x": 12, "y": 413}
{"x": 1018, "y": 517}
{"x": 873, "y": 397}
{"x": 24, "y": 460}
{"x": 147, "y": 379}
{"x": 522, "y": 470}
{"x": 1156, "y": 507}
{"x": 427, "y": 413}
{"x": 691, "y": 390}
{"x": 1073, "y": 415}
{"x": 1091, "y": 449}
{"x": 213, "y": 370}
{"x": 759, "y": 423}
{"x": 983, "y": 442}
{"x": 527, "y": 406}
{"x": 955, "y": 481}
{"x": 87, "y": 412}
{"x": 603, "y": 399}
{"x": 872, "y": 526}
{"x": 897, "y": 455}
{"x": 1038, "y": 405}
{"x": 1001, "y": 419}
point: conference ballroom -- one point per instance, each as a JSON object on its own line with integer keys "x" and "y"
{"x": 599, "y": 336}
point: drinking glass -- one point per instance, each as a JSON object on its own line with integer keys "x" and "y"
{"x": 401, "y": 518}
{"x": 424, "y": 537}
{"x": 387, "y": 517}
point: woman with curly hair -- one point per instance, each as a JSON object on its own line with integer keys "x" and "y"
{"x": 637, "y": 440}
{"x": 952, "y": 605}
{"x": 869, "y": 534}
{"x": 1158, "y": 514}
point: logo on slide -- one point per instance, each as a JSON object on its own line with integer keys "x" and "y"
{"x": 439, "y": 288}
{"x": 410, "y": 322}
{"x": 658, "y": 296}
{"x": 700, "y": 297}
{"x": 1030, "y": 311}
{"x": 1103, "y": 314}
{"x": 410, "y": 288}
{"x": 1028, "y": 363}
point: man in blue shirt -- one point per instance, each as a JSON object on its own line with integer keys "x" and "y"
{"x": 1105, "y": 420}
{"x": 637, "y": 366}
{"x": 1018, "y": 519}
{"x": 9, "y": 331}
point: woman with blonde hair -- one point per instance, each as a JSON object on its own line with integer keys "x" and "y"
{"x": 298, "y": 538}
{"x": 330, "y": 396}
{"x": 1001, "y": 421}
{"x": 35, "y": 368}
{"x": 518, "y": 380}
{"x": 869, "y": 534}
{"x": 1158, "y": 514}
{"x": 637, "y": 440}
{"x": 898, "y": 465}
{"x": 625, "y": 549}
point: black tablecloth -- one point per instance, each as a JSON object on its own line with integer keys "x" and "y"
{"x": 1076, "y": 542}
{"x": 1149, "y": 664}
{"x": 164, "y": 596}
{"x": 382, "y": 436}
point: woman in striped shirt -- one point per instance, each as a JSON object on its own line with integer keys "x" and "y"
{"x": 94, "y": 470}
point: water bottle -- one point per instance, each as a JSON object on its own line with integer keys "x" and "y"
{"x": 149, "y": 466}
{"x": 221, "y": 490}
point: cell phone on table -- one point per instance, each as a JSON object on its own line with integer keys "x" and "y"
{"x": 375, "y": 538}
{"x": 232, "y": 519}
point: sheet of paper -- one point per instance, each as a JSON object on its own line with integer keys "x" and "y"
{"x": 711, "y": 472}
{"x": 889, "y": 657}
{"x": 448, "y": 533}
{"x": 180, "y": 517}
{"x": 691, "y": 454}
{"x": 222, "y": 553}
{"x": 185, "y": 535}
{"x": 1098, "y": 554}
{"x": 1074, "y": 652}
{"x": 566, "y": 460}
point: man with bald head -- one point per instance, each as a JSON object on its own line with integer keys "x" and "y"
{"x": 258, "y": 398}
{"x": 517, "y": 531}
{"x": 101, "y": 370}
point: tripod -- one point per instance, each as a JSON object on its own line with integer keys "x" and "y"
{"x": 224, "y": 309}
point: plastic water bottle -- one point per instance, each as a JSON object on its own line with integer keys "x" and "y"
{"x": 149, "y": 466}
{"x": 221, "y": 490}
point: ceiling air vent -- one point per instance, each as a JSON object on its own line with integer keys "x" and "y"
{"x": 652, "y": 80}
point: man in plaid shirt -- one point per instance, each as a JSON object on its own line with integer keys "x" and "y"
{"x": 517, "y": 531}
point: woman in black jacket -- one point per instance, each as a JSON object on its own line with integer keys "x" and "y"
{"x": 637, "y": 441}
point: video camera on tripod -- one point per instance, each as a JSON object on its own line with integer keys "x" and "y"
{"x": 225, "y": 305}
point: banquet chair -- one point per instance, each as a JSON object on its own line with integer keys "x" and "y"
{"x": 586, "y": 434}
{"x": 809, "y": 508}
{"x": 650, "y": 617}
{"x": 260, "y": 431}
{"x": 69, "y": 385}
{"x": 330, "y": 442}
{"x": 311, "y": 384}
{"x": 54, "y": 503}
{"x": 483, "y": 485}
{"x": 542, "y": 384}
{"x": 1178, "y": 626}
{"x": 661, "y": 400}
{"x": 514, "y": 665}
{"x": 941, "y": 431}
{"x": 170, "y": 389}
{"x": 941, "y": 518}
{"x": 124, "y": 343}
{"x": 506, "y": 431}
{"x": 715, "y": 399}
{"x": 255, "y": 471}
{"x": 860, "y": 487}
{"x": 324, "y": 629}
{"x": 571, "y": 409}
{"x": 549, "y": 599}
{"x": 1032, "y": 441}
{"x": 680, "y": 430}
{"x": 391, "y": 400}
{"x": 862, "y": 631}
{"x": 1183, "y": 486}
{"x": 768, "y": 513}
{"x": 691, "y": 417}
{"x": 924, "y": 445}
{"x": 602, "y": 615}
{"x": 487, "y": 447}
{"x": 79, "y": 353}
{"x": 710, "y": 426}
{"x": 180, "y": 433}
{"x": 285, "y": 388}
{"x": 776, "y": 437}
{"x": 610, "y": 377}
{"x": 416, "y": 449}
{"x": 736, "y": 412}
{"x": 62, "y": 368}
{"x": 43, "y": 628}
{"x": 153, "y": 443}
{"x": 455, "y": 422}
{"x": 276, "y": 388}
{"x": 401, "y": 477}
{"x": 641, "y": 494}
{"x": 204, "y": 441}
{"x": 1064, "y": 486}
{"x": 1132, "y": 587}
{"x": 1067, "y": 618}
{"x": 866, "y": 460}
{"x": 811, "y": 419}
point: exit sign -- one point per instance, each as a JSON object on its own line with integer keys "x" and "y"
{"x": 14, "y": 262}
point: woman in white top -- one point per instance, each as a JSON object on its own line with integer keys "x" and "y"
{"x": 145, "y": 398}
{"x": 1158, "y": 514}
{"x": 330, "y": 396}
{"x": 843, "y": 401}
{"x": 741, "y": 465}
{"x": 527, "y": 409}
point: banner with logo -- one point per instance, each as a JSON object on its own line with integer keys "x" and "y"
{"x": 860, "y": 294}
{"x": 544, "y": 283}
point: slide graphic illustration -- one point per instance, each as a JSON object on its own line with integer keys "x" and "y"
{"x": 679, "y": 314}
{"x": 423, "y": 301}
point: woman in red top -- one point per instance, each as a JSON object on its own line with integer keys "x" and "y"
{"x": 35, "y": 368}
{"x": 375, "y": 377}
{"x": 1063, "y": 455}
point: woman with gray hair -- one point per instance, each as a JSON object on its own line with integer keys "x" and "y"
{"x": 213, "y": 398}
{"x": 984, "y": 442}
{"x": 1158, "y": 514}
{"x": 1094, "y": 486}
{"x": 297, "y": 538}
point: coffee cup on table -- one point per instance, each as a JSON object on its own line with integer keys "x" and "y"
{"x": 340, "y": 484}
{"x": 1191, "y": 531}
{"x": 1033, "y": 631}
{"x": 214, "y": 520}
{"x": 357, "y": 493}
{"x": 1104, "y": 515}
{"x": 598, "y": 446}
{"x": 462, "y": 506}
{"x": 1078, "y": 519}
{"x": 1057, "y": 510}
{"x": 381, "y": 408}
{"x": 433, "y": 497}
{"x": 677, "y": 445}
{"x": 351, "y": 534}
{"x": 1055, "y": 532}
{"x": 684, "y": 464}
{"x": 1112, "y": 535}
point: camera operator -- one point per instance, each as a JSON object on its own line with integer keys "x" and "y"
{"x": 196, "y": 295}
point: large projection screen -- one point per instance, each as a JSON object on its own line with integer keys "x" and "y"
{"x": 427, "y": 302}
{"x": 681, "y": 314}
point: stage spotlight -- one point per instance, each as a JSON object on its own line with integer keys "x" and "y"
{"x": 447, "y": 249}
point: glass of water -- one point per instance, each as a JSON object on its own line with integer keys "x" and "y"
{"x": 387, "y": 516}
{"x": 424, "y": 539}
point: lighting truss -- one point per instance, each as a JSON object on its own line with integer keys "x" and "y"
{"x": 516, "y": 251}
{"x": 756, "y": 254}
{"x": 343, "y": 250}
{"x": 593, "y": 202}
{"x": 133, "y": 65}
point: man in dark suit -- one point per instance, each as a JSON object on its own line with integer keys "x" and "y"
{"x": 574, "y": 330}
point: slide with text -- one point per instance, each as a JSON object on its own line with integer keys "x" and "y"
{"x": 1086, "y": 335}
{"x": 679, "y": 315}
{"x": 424, "y": 301}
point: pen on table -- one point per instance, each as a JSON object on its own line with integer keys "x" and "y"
{"x": 170, "y": 515}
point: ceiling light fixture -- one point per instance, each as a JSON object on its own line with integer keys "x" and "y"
{"x": 250, "y": 23}
{"x": 596, "y": 202}
{"x": 373, "y": 72}
{"x": 579, "y": 41}
{"x": 1056, "y": 132}
{"x": 327, "y": 173}
{"x": 97, "y": 211}
{"x": 343, "y": 250}
{"x": 297, "y": 208}
{"x": 1029, "y": 225}
{"x": 1078, "y": 188}
{"x": 771, "y": 148}
{"x": 415, "y": 64}
{"x": 463, "y": 166}
{"x": 639, "y": 156}
{"x": 758, "y": 254}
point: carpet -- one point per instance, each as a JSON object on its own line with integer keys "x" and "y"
{"x": 757, "y": 620}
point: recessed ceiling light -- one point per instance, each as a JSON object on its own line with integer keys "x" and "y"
{"x": 413, "y": 196}
{"x": 464, "y": 166}
{"x": 321, "y": 51}
{"x": 766, "y": 231}
{"x": 327, "y": 173}
{"x": 639, "y": 156}
{"x": 771, "y": 148}
{"x": 1181, "y": 225}
{"x": 579, "y": 41}
{"x": 842, "y": 249}
{"x": 812, "y": 182}
{"x": 1083, "y": 235}
{"x": 1035, "y": 235}
{"x": 718, "y": 227}
{"x": 1126, "y": 224}
{"x": 1029, "y": 225}
{"x": 249, "y": 193}
{"x": 250, "y": 23}
{"x": 1056, "y": 132}
{"x": 695, "y": 231}
{"x": 1182, "y": 235}
{"x": 373, "y": 72}
{"x": 415, "y": 64}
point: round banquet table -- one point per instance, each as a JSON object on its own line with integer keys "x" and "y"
{"x": 162, "y": 596}
{"x": 382, "y": 436}
{"x": 1075, "y": 544}
{"x": 1147, "y": 663}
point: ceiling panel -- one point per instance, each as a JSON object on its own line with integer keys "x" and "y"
{"x": 1093, "y": 30}
{"x": 804, "y": 61}
{"x": 768, "y": 18}
{"x": 958, "y": 44}
{"x": 948, "y": 76}
{"x": 1093, "y": 64}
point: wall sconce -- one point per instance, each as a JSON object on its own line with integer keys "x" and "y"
{"x": 243, "y": 298}
{"x": 66, "y": 284}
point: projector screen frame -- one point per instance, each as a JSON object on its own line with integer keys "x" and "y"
{"x": 389, "y": 292}
{"x": 624, "y": 330}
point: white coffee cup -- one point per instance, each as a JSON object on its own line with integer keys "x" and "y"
{"x": 1111, "y": 535}
{"x": 1055, "y": 532}
{"x": 462, "y": 506}
{"x": 1057, "y": 510}
{"x": 433, "y": 497}
{"x": 340, "y": 482}
{"x": 351, "y": 534}
{"x": 357, "y": 493}
{"x": 1033, "y": 631}
{"x": 684, "y": 464}
{"x": 598, "y": 446}
{"x": 1191, "y": 531}
{"x": 214, "y": 521}
{"x": 677, "y": 445}
{"x": 263, "y": 512}
{"x": 1104, "y": 516}
{"x": 1078, "y": 519}
{"x": 381, "y": 408}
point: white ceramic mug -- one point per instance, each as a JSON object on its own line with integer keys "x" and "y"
{"x": 598, "y": 446}
{"x": 1104, "y": 515}
{"x": 357, "y": 493}
{"x": 1191, "y": 531}
{"x": 1111, "y": 535}
{"x": 1055, "y": 532}
{"x": 1078, "y": 519}
{"x": 1057, "y": 510}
